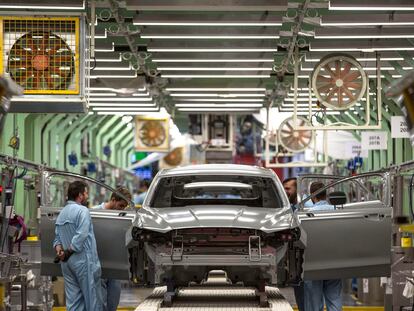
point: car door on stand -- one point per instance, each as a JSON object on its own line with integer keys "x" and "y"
{"x": 109, "y": 226}
{"x": 354, "y": 239}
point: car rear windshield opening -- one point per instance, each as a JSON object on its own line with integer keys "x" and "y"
{"x": 218, "y": 190}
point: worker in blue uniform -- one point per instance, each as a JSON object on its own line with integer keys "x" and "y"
{"x": 75, "y": 247}
{"x": 290, "y": 186}
{"x": 111, "y": 288}
{"x": 144, "y": 186}
{"x": 320, "y": 292}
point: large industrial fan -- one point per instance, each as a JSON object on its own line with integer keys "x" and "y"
{"x": 177, "y": 157}
{"x": 339, "y": 81}
{"x": 294, "y": 140}
{"x": 152, "y": 134}
{"x": 42, "y": 54}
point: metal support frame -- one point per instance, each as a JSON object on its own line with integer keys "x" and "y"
{"x": 340, "y": 125}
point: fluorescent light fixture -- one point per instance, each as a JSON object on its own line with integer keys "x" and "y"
{"x": 121, "y": 105}
{"x": 121, "y": 99}
{"x": 373, "y": 36}
{"x": 246, "y": 24}
{"x": 140, "y": 94}
{"x": 353, "y": 69}
{"x": 218, "y": 105}
{"x": 113, "y": 76}
{"x": 299, "y": 94}
{"x": 217, "y": 109}
{"x": 42, "y": 7}
{"x": 214, "y": 68}
{"x": 215, "y": 95}
{"x": 367, "y": 23}
{"x": 250, "y": 100}
{"x": 111, "y": 89}
{"x": 117, "y": 113}
{"x": 197, "y": 60}
{"x": 369, "y": 8}
{"x": 102, "y": 94}
{"x": 361, "y": 59}
{"x": 370, "y": 50}
{"x": 119, "y": 109}
{"x": 300, "y": 99}
{"x": 214, "y": 76}
{"x": 200, "y": 89}
{"x": 212, "y": 50}
{"x": 255, "y": 37}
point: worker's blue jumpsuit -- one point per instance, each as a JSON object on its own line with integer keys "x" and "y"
{"x": 82, "y": 272}
{"x": 111, "y": 288}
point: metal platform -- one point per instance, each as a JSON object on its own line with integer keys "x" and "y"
{"x": 211, "y": 297}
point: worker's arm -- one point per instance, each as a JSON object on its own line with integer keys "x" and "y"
{"x": 57, "y": 245}
{"x": 82, "y": 230}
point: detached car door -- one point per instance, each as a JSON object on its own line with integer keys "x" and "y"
{"x": 109, "y": 227}
{"x": 353, "y": 240}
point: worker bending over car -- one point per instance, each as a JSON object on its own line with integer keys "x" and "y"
{"x": 111, "y": 288}
{"x": 320, "y": 292}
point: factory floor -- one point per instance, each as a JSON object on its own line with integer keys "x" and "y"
{"x": 132, "y": 297}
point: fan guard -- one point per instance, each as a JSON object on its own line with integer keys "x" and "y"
{"x": 339, "y": 81}
{"x": 175, "y": 157}
{"x": 152, "y": 133}
{"x": 294, "y": 140}
{"x": 41, "y": 60}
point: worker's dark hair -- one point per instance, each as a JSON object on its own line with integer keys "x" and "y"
{"x": 315, "y": 186}
{"x": 75, "y": 188}
{"x": 289, "y": 179}
{"x": 122, "y": 190}
{"x": 145, "y": 183}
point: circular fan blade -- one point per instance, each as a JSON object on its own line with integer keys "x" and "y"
{"x": 152, "y": 133}
{"x": 41, "y": 60}
{"x": 294, "y": 140}
{"x": 175, "y": 157}
{"x": 339, "y": 81}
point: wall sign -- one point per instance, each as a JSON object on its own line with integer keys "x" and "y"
{"x": 374, "y": 140}
{"x": 399, "y": 128}
{"x": 354, "y": 149}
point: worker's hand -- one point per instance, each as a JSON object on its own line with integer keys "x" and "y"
{"x": 60, "y": 252}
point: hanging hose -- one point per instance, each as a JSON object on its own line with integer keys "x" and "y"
{"x": 411, "y": 196}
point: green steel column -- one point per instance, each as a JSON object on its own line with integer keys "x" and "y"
{"x": 108, "y": 134}
{"x": 45, "y": 143}
{"x": 125, "y": 145}
{"x": 40, "y": 123}
{"x": 55, "y": 161}
{"x": 97, "y": 138}
{"x": 115, "y": 145}
{"x": 63, "y": 141}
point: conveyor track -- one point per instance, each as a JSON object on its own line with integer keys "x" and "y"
{"x": 215, "y": 298}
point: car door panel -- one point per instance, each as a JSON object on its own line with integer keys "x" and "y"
{"x": 109, "y": 227}
{"x": 349, "y": 242}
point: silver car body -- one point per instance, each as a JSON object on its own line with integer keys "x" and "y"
{"x": 188, "y": 260}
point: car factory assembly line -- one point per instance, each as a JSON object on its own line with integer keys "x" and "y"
{"x": 207, "y": 155}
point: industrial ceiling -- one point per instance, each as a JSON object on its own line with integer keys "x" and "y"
{"x": 230, "y": 55}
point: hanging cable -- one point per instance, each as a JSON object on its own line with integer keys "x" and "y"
{"x": 411, "y": 196}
